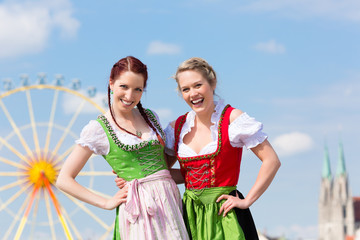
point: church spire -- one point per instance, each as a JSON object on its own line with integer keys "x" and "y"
{"x": 326, "y": 171}
{"x": 341, "y": 162}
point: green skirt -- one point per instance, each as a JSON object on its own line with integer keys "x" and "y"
{"x": 202, "y": 219}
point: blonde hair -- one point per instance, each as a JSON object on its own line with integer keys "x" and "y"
{"x": 199, "y": 65}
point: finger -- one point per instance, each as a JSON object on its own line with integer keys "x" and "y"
{"x": 227, "y": 209}
{"x": 223, "y": 206}
{"x": 222, "y": 197}
{"x": 119, "y": 184}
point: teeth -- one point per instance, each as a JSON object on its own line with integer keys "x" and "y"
{"x": 197, "y": 101}
{"x": 126, "y": 103}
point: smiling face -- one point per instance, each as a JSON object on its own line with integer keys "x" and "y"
{"x": 196, "y": 91}
{"x": 127, "y": 91}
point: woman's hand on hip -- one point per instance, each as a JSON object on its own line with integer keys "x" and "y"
{"x": 231, "y": 202}
{"x": 119, "y": 198}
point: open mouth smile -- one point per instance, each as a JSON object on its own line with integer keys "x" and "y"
{"x": 126, "y": 102}
{"x": 197, "y": 101}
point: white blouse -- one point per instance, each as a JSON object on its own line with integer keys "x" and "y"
{"x": 94, "y": 137}
{"x": 243, "y": 131}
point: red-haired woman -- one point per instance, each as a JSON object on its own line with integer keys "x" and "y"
{"x": 132, "y": 142}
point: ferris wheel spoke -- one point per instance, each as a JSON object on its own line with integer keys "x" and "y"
{"x": 12, "y": 174}
{"x": 36, "y": 207}
{"x": 57, "y": 206}
{"x": 12, "y": 149}
{"x": 16, "y": 218}
{"x": 108, "y": 231}
{"x": 32, "y": 120}
{"x": 72, "y": 225}
{"x": 16, "y": 129}
{"x": 51, "y": 120}
{"x": 27, "y": 211}
{"x": 11, "y": 185}
{"x": 67, "y": 130}
{"x": 64, "y": 155}
{"x": 86, "y": 210}
{"x": 49, "y": 213}
{"x": 13, "y": 197}
{"x": 12, "y": 163}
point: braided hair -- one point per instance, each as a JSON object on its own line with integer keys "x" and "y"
{"x": 144, "y": 115}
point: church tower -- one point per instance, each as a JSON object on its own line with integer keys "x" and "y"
{"x": 336, "y": 208}
{"x": 342, "y": 202}
{"x": 325, "y": 200}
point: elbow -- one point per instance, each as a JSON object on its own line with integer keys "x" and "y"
{"x": 277, "y": 163}
{"x": 60, "y": 183}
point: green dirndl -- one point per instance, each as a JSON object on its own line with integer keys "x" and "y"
{"x": 202, "y": 219}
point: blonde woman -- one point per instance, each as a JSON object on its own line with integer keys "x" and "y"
{"x": 208, "y": 143}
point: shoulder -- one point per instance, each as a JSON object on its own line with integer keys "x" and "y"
{"x": 172, "y": 124}
{"x": 235, "y": 113}
{"x": 92, "y": 125}
{"x": 179, "y": 119}
{"x": 91, "y": 130}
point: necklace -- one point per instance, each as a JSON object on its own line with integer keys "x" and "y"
{"x": 138, "y": 134}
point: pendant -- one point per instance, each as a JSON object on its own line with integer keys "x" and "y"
{"x": 138, "y": 133}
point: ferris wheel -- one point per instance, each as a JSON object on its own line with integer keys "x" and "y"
{"x": 39, "y": 124}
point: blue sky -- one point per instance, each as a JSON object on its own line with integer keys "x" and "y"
{"x": 293, "y": 65}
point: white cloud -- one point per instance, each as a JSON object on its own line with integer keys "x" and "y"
{"x": 71, "y": 103}
{"x": 26, "y": 26}
{"x": 161, "y": 48}
{"x": 292, "y": 143}
{"x": 270, "y": 47}
{"x": 348, "y": 10}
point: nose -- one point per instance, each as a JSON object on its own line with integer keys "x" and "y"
{"x": 193, "y": 92}
{"x": 129, "y": 94}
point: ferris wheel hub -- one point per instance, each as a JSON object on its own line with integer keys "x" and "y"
{"x": 42, "y": 167}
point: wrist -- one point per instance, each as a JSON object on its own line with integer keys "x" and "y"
{"x": 247, "y": 202}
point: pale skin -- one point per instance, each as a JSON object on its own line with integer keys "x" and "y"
{"x": 127, "y": 92}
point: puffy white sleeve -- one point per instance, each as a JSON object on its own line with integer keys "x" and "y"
{"x": 170, "y": 140}
{"x": 246, "y": 131}
{"x": 94, "y": 137}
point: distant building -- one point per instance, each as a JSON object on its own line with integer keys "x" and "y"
{"x": 339, "y": 212}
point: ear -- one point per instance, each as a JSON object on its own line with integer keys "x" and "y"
{"x": 214, "y": 87}
{"x": 111, "y": 84}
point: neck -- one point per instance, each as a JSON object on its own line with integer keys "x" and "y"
{"x": 205, "y": 116}
{"x": 123, "y": 116}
